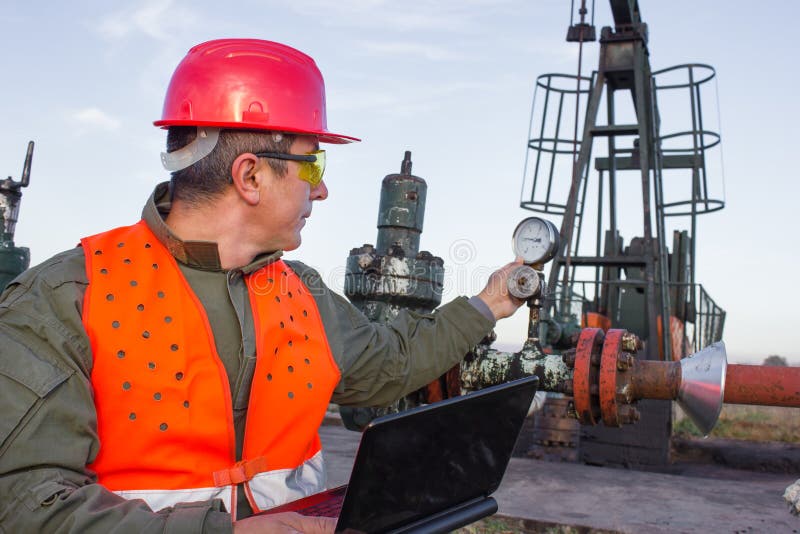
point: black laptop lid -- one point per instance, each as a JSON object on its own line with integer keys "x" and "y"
{"x": 419, "y": 462}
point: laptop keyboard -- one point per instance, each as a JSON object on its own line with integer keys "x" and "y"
{"x": 327, "y": 508}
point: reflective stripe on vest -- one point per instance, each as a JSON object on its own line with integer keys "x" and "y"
{"x": 268, "y": 489}
{"x": 165, "y": 416}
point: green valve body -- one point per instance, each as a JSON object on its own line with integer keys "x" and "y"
{"x": 13, "y": 260}
{"x": 394, "y": 274}
{"x": 401, "y": 213}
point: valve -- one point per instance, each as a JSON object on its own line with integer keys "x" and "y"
{"x": 13, "y": 259}
{"x": 525, "y": 283}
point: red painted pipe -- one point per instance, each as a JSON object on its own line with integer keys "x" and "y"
{"x": 765, "y": 385}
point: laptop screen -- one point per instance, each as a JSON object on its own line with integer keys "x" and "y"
{"x": 417, "y": 463}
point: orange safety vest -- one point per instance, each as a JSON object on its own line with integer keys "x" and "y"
{"x": 164, "y": 411}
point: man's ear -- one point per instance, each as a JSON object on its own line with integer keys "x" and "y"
{"x": 246, "y": 180}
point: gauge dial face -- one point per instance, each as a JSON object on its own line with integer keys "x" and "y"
{"x": 535, "y": 240}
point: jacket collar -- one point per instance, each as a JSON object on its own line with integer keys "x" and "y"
{"x": 197, "y": 254}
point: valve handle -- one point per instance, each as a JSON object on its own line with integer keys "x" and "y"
{"x": 524, "y": 282}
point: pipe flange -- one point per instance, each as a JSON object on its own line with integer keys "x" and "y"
{"x": 609, "y": 373}
{"x": 587, "y": 355}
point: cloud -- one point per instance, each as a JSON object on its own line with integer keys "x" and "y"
{"x": 96, "y": 118}
{"x": 451, "y": 16}
{"x": 413, "y": 97}
{"x": 426, "y": 51}
{"x": 157, "y": 19}
{"x": 152, "y": 35}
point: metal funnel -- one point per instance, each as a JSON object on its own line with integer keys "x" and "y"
{"x": 703, "y": 385}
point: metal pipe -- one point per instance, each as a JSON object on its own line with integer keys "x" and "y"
{"x": 612, "y": 168}
{"x": 655, "y": 380}
{"x": 487, "y": 367}
{"x": 744, "y": 384}
{"x": 765, "y": 385}
{"x": 700, "y": 383}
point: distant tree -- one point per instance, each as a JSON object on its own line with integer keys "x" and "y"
{"x": 776, "y": 360}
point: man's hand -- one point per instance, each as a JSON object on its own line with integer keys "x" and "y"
{"x": 496, "y": 295}
{"x": 285, "y": 523}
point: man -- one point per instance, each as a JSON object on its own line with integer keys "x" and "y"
{"x": 171, "y": 375}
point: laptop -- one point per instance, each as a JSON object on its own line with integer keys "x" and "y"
{"x": 429, "y": 469}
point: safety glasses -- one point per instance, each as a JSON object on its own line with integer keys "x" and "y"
{"x": 312, "y": 165}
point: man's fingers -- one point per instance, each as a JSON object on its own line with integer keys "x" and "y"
{"x": 322, "y": 525}
{"x": 308, "y": 524}
{"x": 514, "y": 264}
{"x": 285, "y": 523}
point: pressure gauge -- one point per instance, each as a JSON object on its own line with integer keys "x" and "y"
{"x": 535, "y": 240}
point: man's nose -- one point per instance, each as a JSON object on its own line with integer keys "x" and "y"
{"x": 320, "y": 192}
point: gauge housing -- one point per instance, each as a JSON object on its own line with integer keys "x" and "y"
{"x": 535, "y": 240}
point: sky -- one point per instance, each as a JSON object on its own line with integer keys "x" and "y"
{"x": 450, "y": 80}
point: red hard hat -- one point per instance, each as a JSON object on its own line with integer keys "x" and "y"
{"x": 248, "y": 84}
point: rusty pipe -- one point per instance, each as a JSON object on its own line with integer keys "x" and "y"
{"x": 765, "y": 385}
{"x": 700, "y": 384}
{"x": 744, "y": 384}
{"x": 655, "y": 380}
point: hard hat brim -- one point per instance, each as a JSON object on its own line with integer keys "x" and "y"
{"x": 324, "y": 136}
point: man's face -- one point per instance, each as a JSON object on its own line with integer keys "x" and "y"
{"x": 286, "y": 201}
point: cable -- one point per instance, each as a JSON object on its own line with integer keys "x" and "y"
{"x": 575, "y": 177}
{"x": 721, "y": 153}
{"x": 571, "y": 12}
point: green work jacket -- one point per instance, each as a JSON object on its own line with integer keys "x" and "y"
{"x": 48, "y": 428}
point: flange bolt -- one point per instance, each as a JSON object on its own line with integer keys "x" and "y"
{"x": 631, "y": 342}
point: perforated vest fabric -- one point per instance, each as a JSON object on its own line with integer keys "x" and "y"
{"x": 161, "y": 393}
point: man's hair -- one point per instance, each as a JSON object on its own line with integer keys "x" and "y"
{"x": 208, "y": 178}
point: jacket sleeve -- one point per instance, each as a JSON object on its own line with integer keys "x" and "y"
{"x": 48, "y": 432}
{"x": 381, "y": 363}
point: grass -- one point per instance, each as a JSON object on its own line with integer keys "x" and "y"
{"x": 490, "y": 525}
{"x": 509, "y": 525}
{"x": 753, "y": 423}
{"x": 499, "y": 524}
